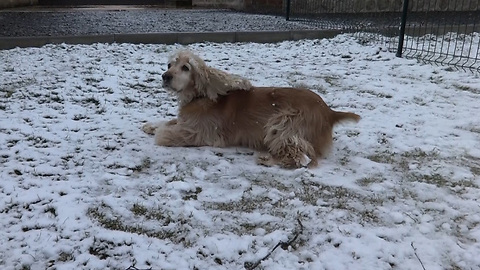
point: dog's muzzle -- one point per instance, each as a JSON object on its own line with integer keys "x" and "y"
{"x": 167, "y": 78}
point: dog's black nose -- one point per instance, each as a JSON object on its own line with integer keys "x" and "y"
{"x": 167, "y": 77}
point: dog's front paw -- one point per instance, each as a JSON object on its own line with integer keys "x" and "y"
{"x": 149, "y": 128}
{"x": 171, "y": 122}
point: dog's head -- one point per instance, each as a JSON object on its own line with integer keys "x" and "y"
{"x": 180, "y": 74}
{"x": 189, "y": 77}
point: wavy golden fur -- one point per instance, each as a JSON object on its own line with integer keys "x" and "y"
{"x": 292, "y": 127}
{"x": 187, "y": 71}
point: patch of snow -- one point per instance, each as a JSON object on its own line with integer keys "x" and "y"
{"x": 83, "y": 187}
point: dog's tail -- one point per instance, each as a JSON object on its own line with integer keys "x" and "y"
{"x": 344, "y": 116}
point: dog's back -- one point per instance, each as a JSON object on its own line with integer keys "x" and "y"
{"x": 267, "y": 118}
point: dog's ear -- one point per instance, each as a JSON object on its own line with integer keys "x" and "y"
{"x": 211, "y": 82}
{"x": 201, "y": 76}
{"x": 220, "y": 83}
{"x": 206, "y": 81}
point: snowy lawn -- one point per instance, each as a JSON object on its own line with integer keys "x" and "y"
{"x": 82, "y": 187}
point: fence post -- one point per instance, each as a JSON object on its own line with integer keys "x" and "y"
{"x": 288, "y": 10}
{"x": 401, "y": 36}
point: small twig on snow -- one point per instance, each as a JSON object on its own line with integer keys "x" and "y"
{"x": 132, "y": 267}
{"x": 416, "y": 255}
{"x": 284, "y": 245}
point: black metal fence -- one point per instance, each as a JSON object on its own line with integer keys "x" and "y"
{"x": 445, "y": 32}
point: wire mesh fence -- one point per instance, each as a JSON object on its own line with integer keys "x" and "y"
{"x": 445, "y": 32}
{"x": 345, "y": 14}
{"x": 448, "y": 37}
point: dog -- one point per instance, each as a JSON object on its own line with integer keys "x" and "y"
{"x": 291, "y": 127}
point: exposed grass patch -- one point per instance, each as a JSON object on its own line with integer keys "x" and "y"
{"x": 109, "y": 147}
{"x": 475, "y": 170}
{"x": 128, "y": 100}
{"x": 101, "y": 248}
{"x": 9, "y": 88}
{"x": 40, "y": 142}
{"x": 352, "y": 133}
{"x": 108, "y": 90}
{"x": 91, "y": 100}
{"x": 150, "y": 80}
{"x": 107, "y": 221}
{"x": 402, "y": 160}
{"x": 266, "y": 179}
{"x": 467, "y": 88}
{"x": 31, "y": 228}
{"x": 56, "y": 98}
{"x": 47, "y": 97}
{"x": 155, "y": 214}
{"x": 419, "y": 154}
{"x": 434, "y": 179}
{"x": 440, "y": 180}
{"x": 10, "y": 207}
{"x": 92, "y": 81}
{"x": 247, "y": 204}
{"x": 474, "y": 130}
{"x": 419, "y": 101}
{"x": 115, "y": 165}
{"x": 101, "y": 110}
{"x": 333, "y": 197}
{"x": 79, "y": 117}
{"x": 366, "y": 181}
{"x": 344, "y": 160}
{"x": 385, "y": 157}
{"x": 193, "y": 195}
{"x": 383, "y": 139}
{"x": 143, "y": 166}
{"x": 7, "y": 93}
{"x": 172, "y": 229}
{"x": 12, "y": 142}
{"x": 373, "y": 93}
{"x": 72, "y": 159}
{"x": 369, "y": 216}
{"x": 65, "y": 256}
{"x": 408, "y": 162}
{"x": 51, "y": 210}
{"x": 138, "y": 86}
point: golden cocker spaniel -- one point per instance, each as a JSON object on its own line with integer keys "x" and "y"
{"x": 291, "y": 127}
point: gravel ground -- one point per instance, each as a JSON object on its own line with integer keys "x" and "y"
{"x": 88, "y": 21}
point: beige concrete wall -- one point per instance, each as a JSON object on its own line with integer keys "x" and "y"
{"x": 17, "y": 3}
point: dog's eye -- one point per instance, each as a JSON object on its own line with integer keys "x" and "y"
{"x": 169, "y": 65}
{"x": 185, "y": 68}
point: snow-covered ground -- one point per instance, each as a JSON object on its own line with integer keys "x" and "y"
{"x": 82, "y": 187}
